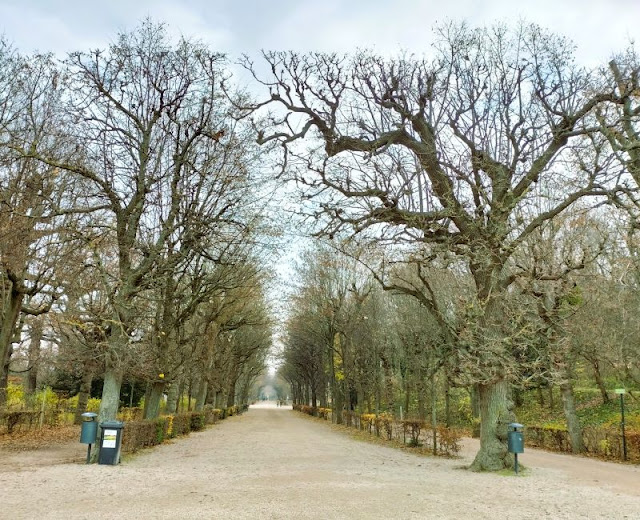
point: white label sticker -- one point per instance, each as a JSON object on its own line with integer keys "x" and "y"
{"x": 109, "y": 439}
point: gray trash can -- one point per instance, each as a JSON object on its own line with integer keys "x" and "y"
{"x": 110, "y": 442}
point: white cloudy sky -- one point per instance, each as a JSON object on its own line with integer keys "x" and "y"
{"x": 599, "y": 27}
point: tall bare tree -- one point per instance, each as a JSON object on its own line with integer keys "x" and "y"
{"x": 447, "y": 153}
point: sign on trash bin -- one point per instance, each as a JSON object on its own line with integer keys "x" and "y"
{"x": 109, "y": 439}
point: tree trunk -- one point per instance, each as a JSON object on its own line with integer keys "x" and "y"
{"x": 573, "y": 424}
{"x": 388, "y": 384}
{"x": 110, "y": 394}
{"x": 201, "y": 395}
{"x": 447, "y": 402}
{"x": 35, "y": 340}
{"x": 599, "y": 381}
{"x": 407, "y": 399}
{"x": 147, "y": 398}
{"x": 152, "y": 408}
{"x": 83, "y": 396}
{"x": 421, "y": 391}
{"x": 434, "y": 413}
{"x": 172, "y": 398}
{"x": 495, "y": 415}
{"x": 475, "y": 402}
{"x": 231, "y": 395}
{"x": 7, "y": 335}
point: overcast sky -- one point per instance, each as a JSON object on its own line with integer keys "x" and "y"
{"x": 598, "y": 27}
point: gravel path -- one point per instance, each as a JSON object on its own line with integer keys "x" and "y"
{"x": 272, "y": 463}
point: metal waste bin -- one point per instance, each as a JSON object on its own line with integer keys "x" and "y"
{"x": 89, "y": 431}
{"x": 110, "y": 442}
{"x": 515, "y": 439}
{"x": 515, "y": 442}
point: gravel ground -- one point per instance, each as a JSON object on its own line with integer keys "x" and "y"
{"x": 272, "y": 463}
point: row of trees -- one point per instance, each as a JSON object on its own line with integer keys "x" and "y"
{"x": 482, "y": 182}
{"x": 498, "y": 161}
{"x": 131, "y": 222}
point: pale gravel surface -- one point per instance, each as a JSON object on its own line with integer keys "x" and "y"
{"x": 274, "y": 463}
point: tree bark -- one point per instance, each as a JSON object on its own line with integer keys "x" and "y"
{"x": 599, "y": 381}
{"x": 35, "y": 340}
{"x": 447, "y": 402}
{"x": 201, "y": 395}
{"x": 152, "y": 408}
{"x": 573, "y": 423}
{"x": 7, "y": 333}
{"x": 172, "y": 397}
{"x": 83, "y": 396}
{"x": 495, "y": 414}
{"x": 110, "y": 394}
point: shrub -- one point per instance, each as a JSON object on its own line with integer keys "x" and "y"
{"x": 448, "y": 440}
{"x": 142, "y": 434}
{"x": 384, "y": 423}
{"x": 367, "y": 420}
{"x": 413, "y": 428}
{"x": 324, "y": 413}
{"x": 198, "y": 421}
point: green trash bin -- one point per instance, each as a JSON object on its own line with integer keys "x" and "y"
{"x": 515, "y": 442}
{"x": 89, "y": 431}
{"x": 515, "y": 439}
{"x": 110, "y": 442}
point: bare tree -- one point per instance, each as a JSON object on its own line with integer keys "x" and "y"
{"x": 450, "y": 153}
{"x": 148, "y": 128}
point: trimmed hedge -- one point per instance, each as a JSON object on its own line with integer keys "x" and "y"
{"x": 605, "y": 443}
{"x": 409, "y": 432}
{"x": 151, "y": 432}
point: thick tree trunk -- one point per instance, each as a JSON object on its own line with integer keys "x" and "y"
{"x": 152, "y": 408}
{"x": 172, "y": 398}
{"x": 110, "y": 394}
{"x": 573, "y": 423}
{"x": 7, "y": 335}
{"x": 231, "y": 395}
{"x": 110, "y": 402}
{"x": 495, "y": 415}
{"x": 201, "y": 395}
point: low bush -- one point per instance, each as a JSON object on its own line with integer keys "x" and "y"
{"x": 151, "y": 432}
{"x": 324, "y": 413}
{"x": 367, "y": 420}
{"x": 198, "y": 421}
{"x": 412, "y": 428}
{"x": 384, "y": 424}
{"x": 449, "y": 440}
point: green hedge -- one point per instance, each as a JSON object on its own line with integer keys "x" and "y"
{"x": 143, "y": 434}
